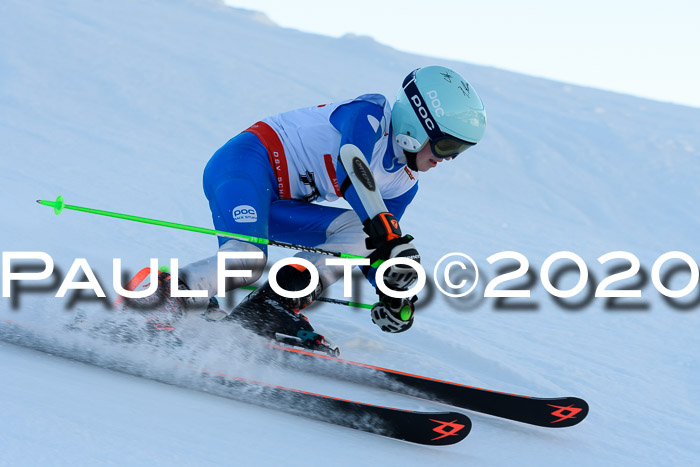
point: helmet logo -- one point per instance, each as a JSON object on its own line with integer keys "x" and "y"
{"x": 421, "y": 108}
{"x": 435, "y": 102}
{"x": 423, "y": 112}
{"x": 465, "y": 89}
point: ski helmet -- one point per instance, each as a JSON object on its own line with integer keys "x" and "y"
{"x": 437, "y": 104}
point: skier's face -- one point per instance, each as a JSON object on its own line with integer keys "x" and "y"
{"x": 426, "y": 160}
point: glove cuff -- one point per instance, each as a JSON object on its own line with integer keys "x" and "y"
{"x": 382, "y": 228}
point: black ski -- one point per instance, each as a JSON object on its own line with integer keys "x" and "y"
{"x": 555, "y": 412}
{"x": 430, "y": 428}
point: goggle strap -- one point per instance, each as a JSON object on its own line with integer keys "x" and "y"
{"x": 421, "y": 110}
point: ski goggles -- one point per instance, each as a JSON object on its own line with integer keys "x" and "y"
{"x": 448, "y": 146}
{"x": 441, "y": 144}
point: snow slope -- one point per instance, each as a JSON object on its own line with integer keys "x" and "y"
{"x": 118, "y": 106}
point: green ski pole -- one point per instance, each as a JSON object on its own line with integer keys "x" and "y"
{"x": 59, "y": 205}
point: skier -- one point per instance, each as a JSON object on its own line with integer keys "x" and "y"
{"x": 263, "y": 183}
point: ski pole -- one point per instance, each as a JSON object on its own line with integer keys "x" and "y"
{"x": 59, "y": 205}
{"x": 327, "y": 300}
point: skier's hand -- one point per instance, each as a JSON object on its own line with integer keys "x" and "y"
{"x": 400, "y": 276}
{"x": 393, "y": 314}
{"x": 385, "y": 237}
{"x": 381, "y": 229}
{"x": 396, "y": 314}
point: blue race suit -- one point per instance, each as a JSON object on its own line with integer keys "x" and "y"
{"x": 264, "y": 182}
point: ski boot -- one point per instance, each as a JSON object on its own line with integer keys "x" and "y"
{"x": 214, "y": 311}
{"x": 160, "y": 310}
{"x": 279, "y": 318}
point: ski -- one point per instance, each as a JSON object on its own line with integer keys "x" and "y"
{"x": 557, "y": 412}
{"x": 554, "y": 412}
{"x": 428, "y": 428}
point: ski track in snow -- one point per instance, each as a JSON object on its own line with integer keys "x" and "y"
{"x": 119, "y": 105}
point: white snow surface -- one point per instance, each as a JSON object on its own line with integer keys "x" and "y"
{"x": 119, "y": 105}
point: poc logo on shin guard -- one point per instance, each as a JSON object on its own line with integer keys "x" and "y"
{"x": 245, "y": 213}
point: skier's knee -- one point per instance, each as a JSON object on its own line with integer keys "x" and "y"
{"x": 346, "y": 222}
{"x": 256, "y": 265}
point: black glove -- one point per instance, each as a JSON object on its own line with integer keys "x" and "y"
{"x": 384, "y": 234}
{"x": 393, "y": 314}
{"x": 381, "y": 229}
